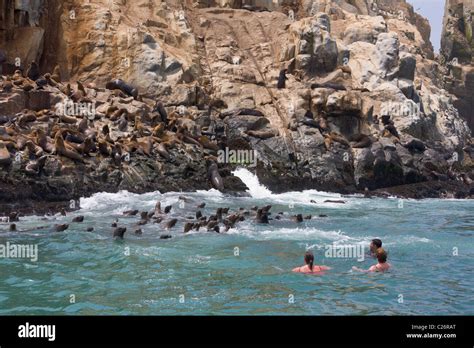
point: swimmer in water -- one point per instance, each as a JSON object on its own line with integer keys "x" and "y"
{"x": 382, "y": 264}
{"x": 309, "y": 267}
{"x": 375, "y": 244}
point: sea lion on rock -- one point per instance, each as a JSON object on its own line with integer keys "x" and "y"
{"x": 415, "y": 145}
{"x": 338, "y": 138}
{"x": 35, "y": 167}
{"x": 361, "y": 141}
{"x": 56, "y": 76}
{"x": 52, "y": 82}
{"x": 392, "y": 130}
{"x": 261, "y": 134}
{"x": 5, "y": 158}
{"x": 61, "y": 149}
{"x": 33, "y": 71}
{"x": 162, "y": 112}
{"x": 330, "y": 85}
{"x": 282, "y": 79}
{"x": 163, "y": 151}
{"x": 213, "y": 175}
{"x": 42, "y": 140}
{"x": 123, "y": 86}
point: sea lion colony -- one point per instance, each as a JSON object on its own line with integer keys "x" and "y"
{"x": 121, "y": 126}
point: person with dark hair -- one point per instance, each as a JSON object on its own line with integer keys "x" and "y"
{"x": 382, "y": 264}
{"x": 309, "y": 266}
{"x": 375, "y": 244}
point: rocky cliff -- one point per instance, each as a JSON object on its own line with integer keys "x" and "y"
{"x": 337, "y": 95}
{"x": 457, "y": 48}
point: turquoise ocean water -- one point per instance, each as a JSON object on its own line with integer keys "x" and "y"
{"x": 246, "y": 271}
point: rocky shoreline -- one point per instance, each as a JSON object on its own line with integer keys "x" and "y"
{"x": 340, "y": 98}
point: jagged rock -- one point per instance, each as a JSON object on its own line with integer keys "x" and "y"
{"x": 316, "y": 51}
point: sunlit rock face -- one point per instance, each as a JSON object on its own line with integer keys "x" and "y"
{"x": 365, "y": 69}
{"x": 457, "y": 48}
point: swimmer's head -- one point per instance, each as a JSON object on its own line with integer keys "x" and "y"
{"x": 375, "y": 244}
{"x": 309, "y": 259}
{"x": 381, "y": 255}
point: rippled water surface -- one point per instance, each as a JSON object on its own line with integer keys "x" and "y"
{"x": 248, "y": 269}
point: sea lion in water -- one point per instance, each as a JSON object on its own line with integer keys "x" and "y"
{"x": 188, "y": 227}
{"x": 158, "y": 208}
{"x": 119, "y": 232}
{"x": 168, "y": 209}
{"x": 213, "y": 175}
{"x": 334, "y": 201}
{"x": 170, "y": 224}
{"x": 262, "y": 217}
{"x": 282, "y": 79}
{"x": 61, "y": 228}
{"x": 298, "y": 218}
{"x": 78, "y": 219}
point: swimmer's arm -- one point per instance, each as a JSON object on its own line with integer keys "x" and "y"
{"x": 324, "y": 268}
{"x": 354, "y": 268}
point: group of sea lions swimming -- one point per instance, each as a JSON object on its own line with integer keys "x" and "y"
{"x": 219, "y": 222}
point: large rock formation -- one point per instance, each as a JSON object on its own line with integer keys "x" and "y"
{"x": 363, "y": 106}
{"x": 457, "y": 48}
